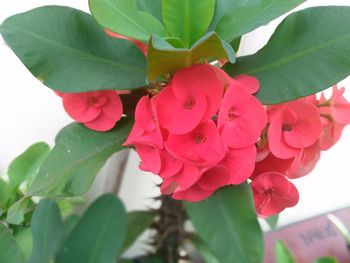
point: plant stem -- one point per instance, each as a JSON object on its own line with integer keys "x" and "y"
{"x": 170, "y": 229}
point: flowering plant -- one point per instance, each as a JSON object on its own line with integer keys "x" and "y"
{"x": 223, "y": 132}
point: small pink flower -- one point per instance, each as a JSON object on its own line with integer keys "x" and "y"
{"x": 294, "y": 126}
{"x": 273, "y": 193}
{"x": 241, "y": 118}
{"x": 193, "y": 97}
{"x": 335, "y": 115}
{"x": 97, "y": 110}
{"x": 339, "y": 107}
{"x": 202, "y": 146}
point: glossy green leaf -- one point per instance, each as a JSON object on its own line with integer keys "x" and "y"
{"x": 203, "y": 249}
{"x": 68, "y": 225}
{"x": 326, "y": 260}
{"x": 228, "y": 217}
{"x": 23, "y": 237}
{"x": 283, "y": 255}
{"x": 163, "y": 58}
{"x": 299, "y": 60}
{"x": 15, "y": 215}
{"x": 68, "y": 51}
{"x": 78, "y": 155}
{"x": 9, "y": 249}
{"x": 123, "y": 17}
{"x": 187, "y": 19}
{"x": 99, "y": 235}
{"x": 153, "y": 7}
{"x": 223, "y": 7}
{"x": 27, "y": 164}
{"x": 138, "y": 222}
{"x": 47, "y": 230}
{"x": 244, "y": 19}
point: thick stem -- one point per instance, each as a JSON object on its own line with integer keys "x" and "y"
{"x": 170, "y": 229}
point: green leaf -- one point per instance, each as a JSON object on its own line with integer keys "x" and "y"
{"x": 244, "y": 19}
{"x": 187, "y": 19}
{"x": 23, "y": 237}
{"x": 9, "y": 249}
{"x": 99, "y": 235}
{"x": 272, "y": 221}
{"x": 153, "y": 7}
{"x": 203, "y": 249}
{"x": 79, "y": 154}
{"x": 228, "y": 217}
{"x": 283, "y": 255}
{"x": 26, "y": 165}
{"x": 138, "y": 222}
{"x": 299, "y": 60}
{"x": 326, "y": 260}
{"x": 235, "y": 44}
{"x": 68, "y": 225}
{"x": 223, "y": 7}
{"x": 163, "y": 58}
{"x": 4, "y": 194}
{"x": 68, "y": 51}
{"x": 15, "y": 215}
{"x": 47, "y": 230}
{"x": 123, "y": 17}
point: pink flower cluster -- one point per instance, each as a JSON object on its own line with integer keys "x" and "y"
{"x": 199, "y": 132}
{"x": 290, "y": 146}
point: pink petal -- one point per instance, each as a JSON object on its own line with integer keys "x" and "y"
{"x": 78, "y": 107}
{"x": 199, "y": 80}
{"x": 214, "y": 177}
{"x": 170, "y": 165}
{"x": 277, "y": 144}
{"x": 188, "y": 176}
{"x": 241, "y": 118}
{"x": 249, "y": 82}
{"x": 194, "y": 194}
{"x": 307, "y": 129}
{"x": 111, "y": 113}
{"x": 241, "y": 163}
{"x": 175, "y": 116}
{"x": 150, "y": 158}
{"x": 304, "y": 162}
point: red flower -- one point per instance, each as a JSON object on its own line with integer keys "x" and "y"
{"x": 293, "y": 126}
{"x": 273, "y": 193}
{"x": 193, "y": 97}
{"x": 97, "y": 110}
{"x": 241, "y": 118}
{"x": 202, "y": 146}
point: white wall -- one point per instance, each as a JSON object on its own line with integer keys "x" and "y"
{"x": 29, "y": 112}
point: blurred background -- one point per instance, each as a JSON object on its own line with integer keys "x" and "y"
{"x": 30, "y": 112}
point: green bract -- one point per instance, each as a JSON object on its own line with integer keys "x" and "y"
{"x": 164, "y": 58}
